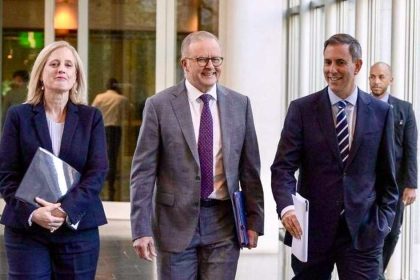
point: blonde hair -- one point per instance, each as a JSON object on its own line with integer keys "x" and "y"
{"x": 77, "y": 93}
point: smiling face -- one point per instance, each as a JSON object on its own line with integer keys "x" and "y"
{"x": 59, "y": 73}
{"x": 202, "y": 77}
{"x": 340, "y": 70}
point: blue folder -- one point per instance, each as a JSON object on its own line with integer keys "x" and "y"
{"x": 240, "y": 218}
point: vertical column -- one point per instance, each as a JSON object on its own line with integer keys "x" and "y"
{"x": 398, "y": 47}
{"x": 83, "y": 35}
{"x": 304, "y": 47}
{"x": 165, "y": 43}
{"x": 398, "y": 88}
{"x": 49, "y": 32}
{"x": 252, "y": 41}
{"x": 362, "y": 8}
{"x": 330, "y": 18}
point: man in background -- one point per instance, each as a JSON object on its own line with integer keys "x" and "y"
{"x": 405, "y": 131}
{"x": 197, "y": 145}
{"x": 17, "y": 93}
{"x": 113, "y": 106}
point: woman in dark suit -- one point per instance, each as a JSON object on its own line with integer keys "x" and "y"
{"x": 56, "y": 240}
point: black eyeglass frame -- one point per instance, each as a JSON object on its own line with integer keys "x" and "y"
{"x": 203, "y": 61}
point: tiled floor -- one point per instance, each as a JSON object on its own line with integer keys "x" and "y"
{"x": 118, "y": 260}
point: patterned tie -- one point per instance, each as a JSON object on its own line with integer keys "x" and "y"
{"x": 205, "y": 148}
{"x": 342, "y": 130}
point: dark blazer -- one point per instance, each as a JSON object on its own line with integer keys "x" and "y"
{"x": 167, "y": 155}
{"x": 365, "y": 187}
{"x": 405, "y": 143}
{"x": 83, "y": 147}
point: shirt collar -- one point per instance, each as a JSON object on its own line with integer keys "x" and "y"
{"x": 384, "y": 98}
{"x": 352, "y": 99}
{"x": 194, "y": 93}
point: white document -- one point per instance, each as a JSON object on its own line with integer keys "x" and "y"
{"x": 300, "y": 246}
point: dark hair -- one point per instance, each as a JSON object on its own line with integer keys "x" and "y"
{"x": 21, "y": 73}
{"x": 114, "y": 85}
{"x": 345, "y": 39}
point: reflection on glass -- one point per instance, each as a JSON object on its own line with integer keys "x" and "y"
{"x": 65, "y": 21}
{"x": 23, "y": 38}
{"x": 193, "y": 16}
{"x": 122, "y": 45}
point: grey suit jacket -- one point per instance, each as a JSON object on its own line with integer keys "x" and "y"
{"x": 165, "y": 175}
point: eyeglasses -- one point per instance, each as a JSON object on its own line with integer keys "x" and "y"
{"x": 203, "y": 61}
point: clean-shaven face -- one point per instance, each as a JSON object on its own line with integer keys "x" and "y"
{"x": 380, "y": 78}
{"x": 59, "y": 74}
{"x": 202, "y": 77}
{"x": 340, "y": 70}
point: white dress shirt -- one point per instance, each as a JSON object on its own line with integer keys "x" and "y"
{"x": 196, "y": 106}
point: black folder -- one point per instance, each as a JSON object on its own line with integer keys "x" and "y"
{"x": 240, "y": 218}
{"x": 47, "y": 177}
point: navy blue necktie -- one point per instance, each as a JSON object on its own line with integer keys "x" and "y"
{"x": 205, "y": 148}
{"x": 342, "y": 130}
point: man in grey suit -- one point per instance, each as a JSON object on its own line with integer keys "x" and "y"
{"x": 196, "y": 146}
{"x": 405, "y": 143}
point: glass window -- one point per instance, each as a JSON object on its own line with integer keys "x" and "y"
{"x": 65, "y": 21}
{"x": 122, "y": 46}
{"x": 22, "y": 39}
{"x": 317, "y": 80}
{"x": 193, "y": 16}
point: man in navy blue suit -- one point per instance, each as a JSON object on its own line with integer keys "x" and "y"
{"x": 340, "y": 140}
{"x": 405, "y": 130}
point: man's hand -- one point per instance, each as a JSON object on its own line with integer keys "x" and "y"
{"x": 291, "y": 224}
{"x": 409, "y": 196}
{"x": 43, "y": 216}
{"x": 253, "y": 239}
{"x": 145, "y": 248}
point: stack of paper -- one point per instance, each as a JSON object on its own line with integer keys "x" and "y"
{"x": 300, "y": 246}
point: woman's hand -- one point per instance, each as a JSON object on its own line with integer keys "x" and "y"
{"x": 49, "y": 215}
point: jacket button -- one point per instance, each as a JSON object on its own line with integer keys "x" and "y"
{"x": 197, "y": 177}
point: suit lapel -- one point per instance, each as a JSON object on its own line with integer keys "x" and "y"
{"x": 41, "y": 127}
{"x": 225, "y": 112}
{"x": 363, "y": 120}
{"x": 326, "y": 123}
{"x": 72, "y": 118}
{"x": 182, "y": 112}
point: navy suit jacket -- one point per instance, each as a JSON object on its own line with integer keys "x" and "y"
{"x": 83, "y": 146}
{"x": 365, "y": 187}
{"x": 405, "y": 143}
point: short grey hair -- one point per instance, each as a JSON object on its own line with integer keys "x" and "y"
{"x": 194, "y": 37}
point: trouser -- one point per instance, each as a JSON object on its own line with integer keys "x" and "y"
{"x": 391, "y": 239}
{"x": 38, "y": 254}
{"x": 213, "y": 251}
{"x": 113, "y": 139}
{"x": 351, "y": 263}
